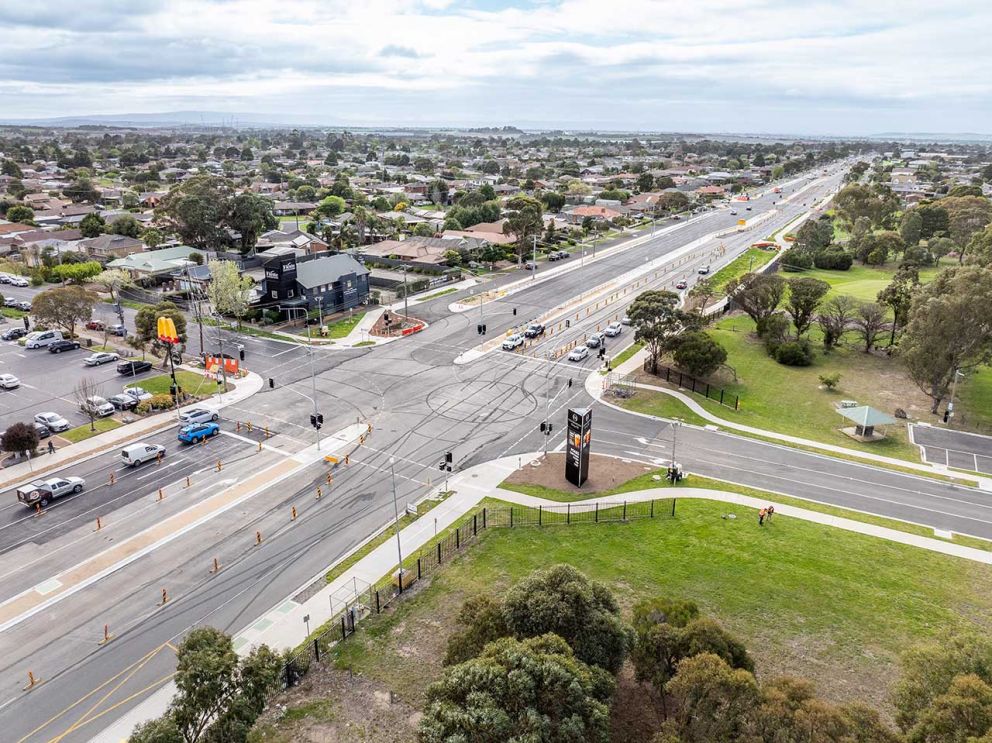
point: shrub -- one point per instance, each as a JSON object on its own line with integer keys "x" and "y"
{"x": 773, "y": 330}
{"x": 155, "y": 402}
{"x": 834, "y": 260}
{"x": 830, "y": 381}
{"x": 797, "y": 260}
{"x": 794, "y": 353}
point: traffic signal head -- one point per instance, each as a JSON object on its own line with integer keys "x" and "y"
{"x": 241, "y": 354}
{"x": 479, "y": 328}
{"x": 569, "y": 382}
{"x": 544, "y": 427}
{"x": 320, "y": 418}
{"x": 272, "y": 383}
{"x": 448, "y": 457}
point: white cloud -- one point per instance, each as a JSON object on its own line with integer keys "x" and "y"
{"x": 925, "y": 60}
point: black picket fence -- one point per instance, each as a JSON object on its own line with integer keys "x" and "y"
{"x": 687, "y": 381}
{"x": 465, "y": 533}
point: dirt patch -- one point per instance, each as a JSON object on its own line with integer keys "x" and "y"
{"x": 636, "y": 709}
{"x": 605, "y": 473}
{"x": 330, "y": 706}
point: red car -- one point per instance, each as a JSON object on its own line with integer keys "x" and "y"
{"x": 95, "y": 325}
{"x": 682, "y": 284}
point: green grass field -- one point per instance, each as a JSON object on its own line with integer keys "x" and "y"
{"x": 751, "y": 259}
{"x": 863, "y": 282}
{"x": 807, "y": 599}
{"x": 191, "y": 382}
{"x": 81, "y": 433}
{"x": 345, "y": 325}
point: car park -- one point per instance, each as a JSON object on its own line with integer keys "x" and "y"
{"x": 117, "y": 329}
{"x": 703, "y": 271}
{"x": 613, "y": 330}
{"x": 18, "y": 281}
{"x": 101, "y": 357}
{"x": 682, "y": 284}
{"x": 42, "y": 338}
{"x": 533, "y": 330}
{"x": 97, "y": 406}
{"x": 138, "y": 393}
{"x": 512, "y": 342}
{"x": 195, "y": 432}
{"x": 63, "y": 345}
{"x": 4, "y": 278}
{"x": 123, "y": 402}
{"x": 10, "y": 301}
{"x": 43, "y": 492}
{"x": 12, "y": 334}
{"x": 9, "y": 382}
{"x": 579, "y": 353}
{"x": 133, "y": 368}
{"x": 135, "y": 455}
{"x": 595, "y": 340}
{"x": 198, "y": 415}
{"x": 53, "y": 421}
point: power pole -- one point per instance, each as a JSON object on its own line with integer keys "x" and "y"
{"x": 534, "y": 273}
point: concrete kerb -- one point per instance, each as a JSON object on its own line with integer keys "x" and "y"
{"x": 595, "y": 385}
{"x": 95, "y": 446}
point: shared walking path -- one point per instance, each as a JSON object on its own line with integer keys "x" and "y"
{"x": 596, "y": 385}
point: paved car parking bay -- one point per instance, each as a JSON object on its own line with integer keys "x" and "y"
{"x": 965, "y": 451}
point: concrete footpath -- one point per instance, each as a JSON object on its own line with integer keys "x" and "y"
{"x": 282, "y": 628}
{"x": 15, "y": 474}
{"x": 596, "y": 385}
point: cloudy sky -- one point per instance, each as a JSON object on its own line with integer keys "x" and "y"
{"x": 798, "y": 66}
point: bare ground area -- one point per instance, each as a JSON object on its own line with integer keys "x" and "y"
{"x": 605, "y": 473}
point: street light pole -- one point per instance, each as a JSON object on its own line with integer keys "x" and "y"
{"x": 534, "y": 272}
{"x": 406, "y": 305}
{"x": 313, "y": 373}
{"x": 676, "y": 422}
{"x": 396, "y": 517}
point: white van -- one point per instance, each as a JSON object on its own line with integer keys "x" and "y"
{"x": 42, "y": 338}
{"x": 137, "y": 454}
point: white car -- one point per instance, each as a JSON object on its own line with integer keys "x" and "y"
{"x": 579, "y": 353}
{"x": 198, "y": 415}
{"x": 9, "y": 381}
{"x": 43, "y": 492}
{"x": 101, "y": 357}
{"x": 514, "y": 341}
{"x": 625, "y": 320}
{"x": 18, "y": 281}
{"x": 138, "y": 393}
{"x": 97, "y": 406}
{"x": 613, "y": 330}
{"x": 52, "y": 421}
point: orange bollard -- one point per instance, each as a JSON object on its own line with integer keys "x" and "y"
{"x": 329, "y": 478}
{"x": 319, "y": 493}
{"x": 98, "y": 524}
{"x": 113, "y": 478}
{"x": 218, "y": 465}
{"x": 107, "y": 637}
{"x": 32, "y": 681}
{"x": 161, "y": 495}
{"x": 187, "y": 481}
{"x": 216, "y": 567}
{"x": 266, "y": 432}
{"x": 237, "y": 426}
{"x": 258, "y": 537}
{"x": 249, "y": 426}
{"x": 260, "y": 446}
{"x": 165, "y": 598}
{"x": 158, "y": 460}
{"x": 347, "y": 458}
{"x": 294, "y": 514}
{"x": 37, "y": 510}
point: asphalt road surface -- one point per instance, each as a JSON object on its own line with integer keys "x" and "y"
{"x": 421, "y": 405}
{"x": 966, "y": 451}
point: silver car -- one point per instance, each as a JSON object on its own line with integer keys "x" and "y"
{"x": 198, "y": 415}
{"x": 52, "y": 421}
{"x": 101, "y": 357}
{"x": 513, "y": 342}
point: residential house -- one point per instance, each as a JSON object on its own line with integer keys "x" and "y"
{"x": 597, "y": 213}
{"x": 157, "y": 264}
{"x": 297, "y": 239}
{"x": 107, "y": 247}
{"x": 289, "y": 208}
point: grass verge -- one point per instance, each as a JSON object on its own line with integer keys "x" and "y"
{"x": 191, "y": 382}
{"x": 750, "y": 260}
{"x": 81, "y": 433}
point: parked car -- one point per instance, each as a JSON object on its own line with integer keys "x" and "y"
{"x": 23, "y": 306}
{"x": 42, "y": 338}
{"x": 733, "y": 212}
{"x": 530, "y": 266}
{"x": 682, "y": 284}
{"x": 117, "y": 329}
{"x": 18, "y": 281}
{"x": 63, "y": 345}
{"x": 53, "y": 421}
{"x": 137, "y": 454}
{"x": 101, "y": 357}
{"x": 9, "y": 382}
{"x": 43, "y": 492}
{"x": 4, "y": 278}
{"x": 198, "y": 415}
{"x": 133, "y": 368}
{"x": 512, "y": 342}
{"x": 703, "y": 270}
{"x": 579, "y": 353}
{"x": 97, "y": 406}
{"x": 41, "y": 429}
{"x": 195, "y": 432}
{"x": 95, "y": 325}
{"x": 748, "y": 208}
{"x": 595, "y": 340}
{"x": 533, "y": 330}
{"x": 12, "y": 334}
{"x": 10, "y": 301}
{"x": 625, "y": 320}
{"x": 138, "y": 393}
{"x": 613, "y": 330}
{"x": 123, "y": 402}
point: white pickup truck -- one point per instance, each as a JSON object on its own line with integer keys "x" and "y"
{"x": 43, "y": 492}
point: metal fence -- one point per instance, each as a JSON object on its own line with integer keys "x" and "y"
{"x": 686, "y": 381}
{"x": 462, "y": 535}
